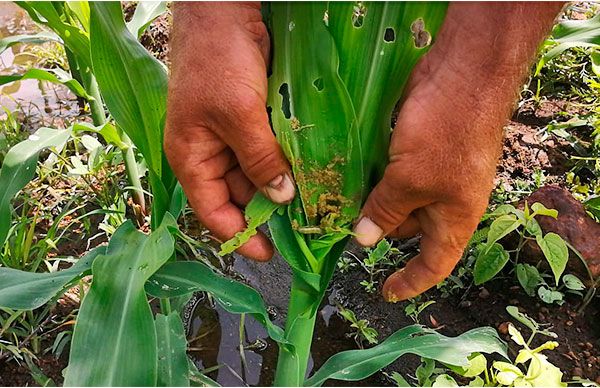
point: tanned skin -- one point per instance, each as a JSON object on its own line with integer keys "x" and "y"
{"x": 444, "y": 148}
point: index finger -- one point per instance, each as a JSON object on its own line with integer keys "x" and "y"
{"x": 201, "y": 165}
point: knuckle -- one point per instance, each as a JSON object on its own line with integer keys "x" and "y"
{"x": 383, "y": 210}
{"x": 259, "y": 166}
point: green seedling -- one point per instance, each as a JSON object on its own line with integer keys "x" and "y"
{"x": 363, "y": 330}
{"x": 415, "y": 307}
{"x": 492, "y": 257}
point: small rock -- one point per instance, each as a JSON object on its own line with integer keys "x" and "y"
{"x": 589, "y": 345}
{"x": 465, "y": 304}
{"x": 577, "y": 372}
{"x": 513, "y": 302}
{"x": 586, "y": 354}
{"x": 484, "y": 293}
{"x": 581, "y": 345}
{"x": 541, "y": 317}
{"x": 569, "y": 323}
{"x": 592, "y": 360}
{"x": 503, "y": 328}
{"x": 545, "y": 310}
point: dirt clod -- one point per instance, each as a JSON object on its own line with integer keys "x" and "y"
{"x": 503, "y": 328}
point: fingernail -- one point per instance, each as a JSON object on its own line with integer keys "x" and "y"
{"x": 391, "y": 285}
{"x": 367, "y": 232}
{"x": 281, "y": 189}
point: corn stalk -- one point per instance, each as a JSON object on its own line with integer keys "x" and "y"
{"x": 338, "y": 71}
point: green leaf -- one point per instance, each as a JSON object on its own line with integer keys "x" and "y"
{"x": 21, "y": 290}
{"x": 529, "y": 278}
{"x": 108, "y": 132}
{"x": 572, "y": 282}
{"x": 533, "y": 227}
{"x": 40, "y": 37}
{"x": 377, "y": 254}
{"x": 489, "y": 262}
{"x": 114, "y": 341}
{"x": 180, "y": 278}
{"x": 74, "y": 38}
{"x": 592, "y": 205}
{"x": 258, "y": 211}
{"x": 55, "y": 76}
{"x": 477, "y": 365}
{"x": 399, "y": 380}
{"x": 571, "y": 33}
{"x": 550, "y": 296}
{"x": 173, "y": 368}
{"x": 81, "y": 9}
{"x": 502, "y": 226}
{"x": 376, "y": 81}
{"x": 134, "y": 87}
{"x": 145, "y": 13}
{"x": 18, "y": 168}
{"x": 556, "y": 252}
{"x": 444, "y": 380}
{"x": 514, "y": 312}
{"x": 132, "y": 82}
{"x": 197, "y": 379}
{"x": 540, "y": 209}
{"x": 353, "y": 365}
{"x": 595, "y": 57}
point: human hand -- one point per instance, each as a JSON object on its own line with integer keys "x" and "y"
{"x": 218, "y": 139}
{"x": 447, "y": 137}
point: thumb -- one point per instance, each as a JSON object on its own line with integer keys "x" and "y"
{"x": 387, "y": 207}
{"x": 261, "y": 157}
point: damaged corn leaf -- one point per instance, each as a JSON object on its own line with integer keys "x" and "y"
{"x": 332, "y": 112}
{"x": 258, "y": 211}
{"x": 338, "y": 71}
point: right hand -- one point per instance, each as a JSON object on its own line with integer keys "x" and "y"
{"x": 218, "y": 139}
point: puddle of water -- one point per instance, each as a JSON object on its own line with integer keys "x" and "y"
{"x": 34, "y": 98}
{"x": 214, "y": 339}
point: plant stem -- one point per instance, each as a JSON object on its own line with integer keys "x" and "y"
{"x": 299, "y": 327}
{"x": 96, "y": 108}
{"x": 165, "y": 306}
{"x": 133, "y": 174}
{"x": 99, "y": 118}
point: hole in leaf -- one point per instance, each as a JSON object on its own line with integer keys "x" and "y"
{"x": 318, "y": 84}
{"x": 285, "y": 102}
{"x": 421, "y": 36}
{"x": 270, "y": 115}
{"x": 389, "y": 35}
{"x": 358, "y": 14}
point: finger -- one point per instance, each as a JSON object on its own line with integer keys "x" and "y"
{"x": 259, "y": 154}
{"x": 386, "y": 208}
{"x": 409, "y": 228}
{"x": 241, "y": 189}
{"x": 206, "y": 188}
{"x": 211, "y": 200}
{"x": 442, "y": 246}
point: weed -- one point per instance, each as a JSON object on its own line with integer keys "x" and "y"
{"x": 363, "y": 332}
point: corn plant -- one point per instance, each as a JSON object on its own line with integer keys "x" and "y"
{"x": 330, "y": 111}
